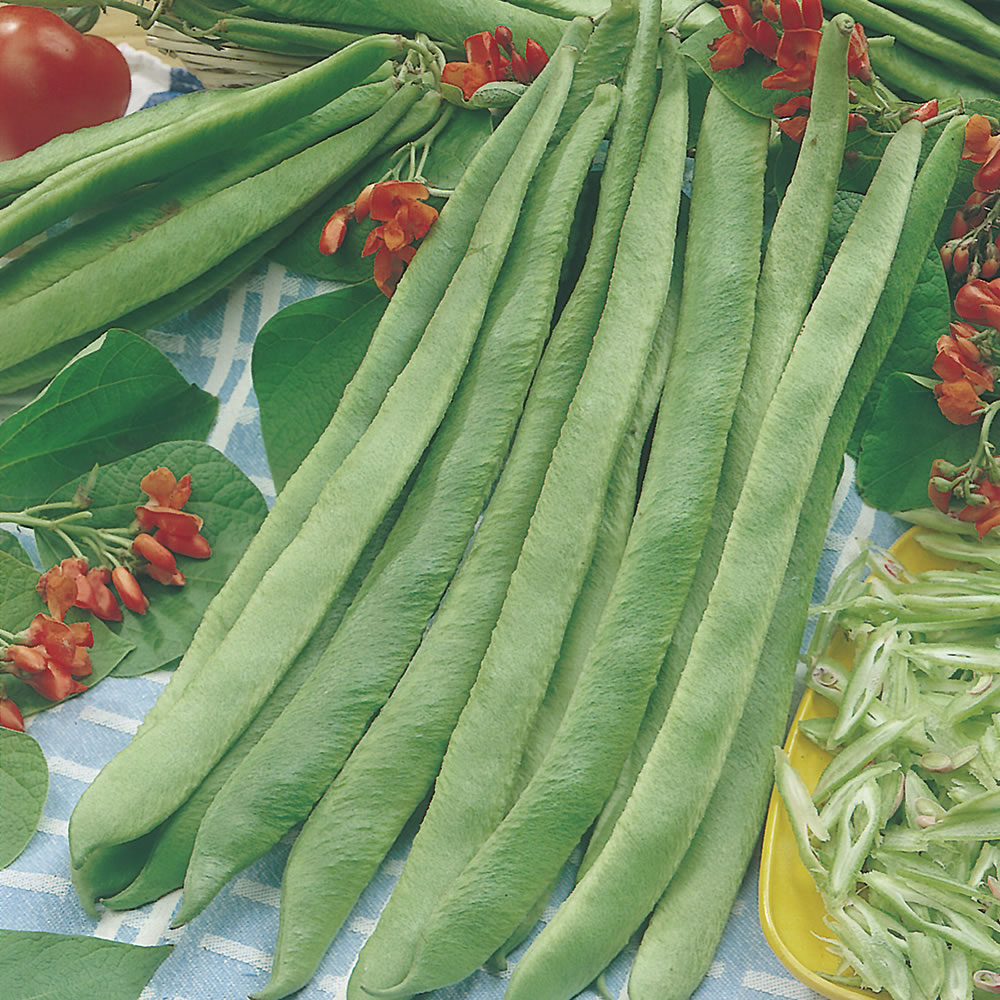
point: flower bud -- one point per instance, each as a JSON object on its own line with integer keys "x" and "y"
{"x": 129, "y": 590}
{"x": 10, "y": 714}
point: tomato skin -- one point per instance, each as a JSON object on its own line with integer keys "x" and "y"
{"x": 53, "y": 79}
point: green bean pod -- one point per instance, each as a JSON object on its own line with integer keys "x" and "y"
{"x": 784, "y": 294}
{"x": 679, "y": 942}
{"x": 148, "y": 157}
{"x": 954, "y": 19}
{"x": 297, "y": 590}
{"x": 479, "y": 911}
{"x": 398, "y": 333}
{"x": 294, "y": 763}
{"x": 916, "y": 35}
{"x": 674, "y": 786}
{"x": 919, "y": 75}
{"x": 32, "y": 167}
{"x": 449, "y": 24}
{"x": 471, "y": 607}
{"x": 340, "y": 845}
{"x": 150, "y": 264}
{"x": 68, "y": 251}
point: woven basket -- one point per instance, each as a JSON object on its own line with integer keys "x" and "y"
{"x": 228, "y": 66}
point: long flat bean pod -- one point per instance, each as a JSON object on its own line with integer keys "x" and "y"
{"x": 674, "y": 786}
{"x": 784, "y": 294}
{"x": 296, "y": 591}
{"x": 450, "y": 24}
{"x": 148, "y": 266}
{"x": 291, "y": 767}
{"x": 955, "y": 19}
{"x": 471, "y": 607}
{"x": 167, "y": 859}
{"x": 954, "y": 53}
{"x": 680, "y": 940}
{"x": 147, "y": 208}
{"x": 341, "y": 844}
{"x": 407, "y": 314}
{"x": 914, "y": 73}
{"x": 478, "y": 773}
{"x": 32, "y": 167}
{"x": 479, "y": 911}
{"x": 148, "y": 157}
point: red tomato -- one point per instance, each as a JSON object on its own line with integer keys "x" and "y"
{"x": 53, "y": 79}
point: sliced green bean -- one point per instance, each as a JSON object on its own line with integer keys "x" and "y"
{"x": 784, "y": 294}
{"x": 297, "y": 590}
{"x": 288, "y": 771}
{"x": 149, "y": 157}
{"x": 681, "y": 938}
{"x": 674, "y": 786}
{"x": 402, "y": 325}
{"x": 340, "y": 845}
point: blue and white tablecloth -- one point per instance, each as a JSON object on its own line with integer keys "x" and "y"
{"x": 225, "y": 953}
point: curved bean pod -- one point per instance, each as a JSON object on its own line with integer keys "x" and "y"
{"x": 674, "y": 786}
{"x": 290, "y": 768}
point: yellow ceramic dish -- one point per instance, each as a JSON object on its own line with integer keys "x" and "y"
{"x": 791, "y": 909}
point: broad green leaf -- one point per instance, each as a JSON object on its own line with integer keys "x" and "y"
{"x": 36, "y": 965}
{"x": 19, "y": 601}
{"x": 742, "y": 85}
{"x": 906, "y": 434}
{"x": 24, "y": 783}
{"x": 927, "y": 316}
{"x": 107, "y": 652}
{"x": 233, "y": 509}
{"x": 451, "y": 151}
{"x": 303, "y": 358}
{"x": 10, "y": 544}
{"x": 119, "y": 397}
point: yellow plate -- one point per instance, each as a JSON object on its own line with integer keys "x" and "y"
{"x": 791, "y": 909}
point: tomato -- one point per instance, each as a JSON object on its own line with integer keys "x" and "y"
{"x": 53, "y": 79}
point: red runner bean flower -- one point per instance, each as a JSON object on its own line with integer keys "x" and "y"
{"x": 10, "y": 714}
{"x": 51, "y": 656}
{"x": 485, "y": 63}
{"x": 982, "y": 146}
{"x": 979, "y": 301}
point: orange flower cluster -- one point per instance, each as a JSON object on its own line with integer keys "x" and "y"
{"x": 400, "y": 207}
{"x": 984, "y": 513}
{"x": 753, "y": 26}
{"x": 963, "y": 372}
{"x": 982, "y": 146}
{"x": 166, "y": 528}
{"x": 484, "y": 62}
{"x": 74, "y": 584}
{"x": 50, "y": 656}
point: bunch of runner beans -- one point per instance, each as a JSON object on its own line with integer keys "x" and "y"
{"x": 179, "y": 199}
{"x": 931, "y": 48}
{"x": 419, "y": 614}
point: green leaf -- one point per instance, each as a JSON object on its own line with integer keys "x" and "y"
{"x": 449, "y": 155}
{"x": 24, "y": 783}
{"x": 303, "y": 358}
{"x": 107, "y": 652}
{"x": 19, "y": 601}
{"x": 35, "y": 965}
{"x": 233, "y": 509}
{"x": 927, "y": 316}
{"x": 10, "y": 544}
{"x": 906, "y": 434}
{"x": 742, "y": 84}
{"x": 121, "y": 396}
